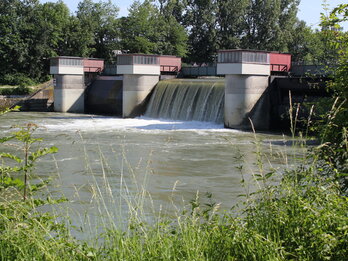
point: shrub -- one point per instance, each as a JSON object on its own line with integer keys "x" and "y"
{"x": 20, "y": 90}
{"x": 17, "y": 79}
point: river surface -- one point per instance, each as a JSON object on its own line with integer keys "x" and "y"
{"x": 110, "y": 166}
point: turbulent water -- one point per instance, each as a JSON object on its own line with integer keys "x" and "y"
{"x": 197, "y": 100}
{"x": 106, "y": 164}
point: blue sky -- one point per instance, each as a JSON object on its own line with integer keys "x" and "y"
{"x": 309, "y": 9}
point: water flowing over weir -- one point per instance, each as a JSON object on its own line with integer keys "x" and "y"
{"x": 189, "y": 100}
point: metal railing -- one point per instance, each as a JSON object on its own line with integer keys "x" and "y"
{"x": 169, "y": 68}
{"x": 279, "y": 68}
{"x": 96, "y": 69}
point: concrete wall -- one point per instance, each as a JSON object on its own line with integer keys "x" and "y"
{"x": 150, "y": 69}
{"x": 69, "y": 93}
{"x": 135, "y": 90}
{"x": 61, "y": 69}
{"x": 243, "y": 68}
{"x": 242, "y": 92}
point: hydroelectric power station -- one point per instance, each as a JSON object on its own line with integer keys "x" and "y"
{"x": 247, "y": 92}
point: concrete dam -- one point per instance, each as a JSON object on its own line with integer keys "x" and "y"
{"x": 147, "y": 85}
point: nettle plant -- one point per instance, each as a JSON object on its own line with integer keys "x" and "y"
{"x": 23, "y": 162}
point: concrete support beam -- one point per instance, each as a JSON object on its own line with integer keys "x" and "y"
{"x": 242, "y": 92}
{"x": 135, "y": 90}
{"x": 69, "y": 93}
{"x": 246, "y": 80}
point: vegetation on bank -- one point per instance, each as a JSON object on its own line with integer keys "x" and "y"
{"x": 20, "y": 90}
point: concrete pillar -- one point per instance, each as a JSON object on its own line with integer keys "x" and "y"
{"x": 246, "y": 80}
{"x": 242, "y": 92}
{"x": 69, "y": 93}
{"x": 135, "y": 90}
{"x": 69, "y": 85}
{"x": 141, "y": 73}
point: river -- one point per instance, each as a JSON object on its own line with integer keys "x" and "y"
{"x": 108, "y": 166}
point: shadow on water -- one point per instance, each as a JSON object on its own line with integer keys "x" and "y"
{"x": 291, "y": 143}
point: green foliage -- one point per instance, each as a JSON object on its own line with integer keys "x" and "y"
{"x": 231, "y": 23}
{"x": 98, "y": 26}
{"x": 17, "y": 79}
{"x": 200, "y": 18}
{"x": 148, "y": 29}
{"x": 11, "y": 163}
{"x": 27, "y": 234}
{"x": 332, "y": 131}
{"x": 270, "y": 24}
{"x": 20, "y": 90}
{"x": 2, "y": 112}
{"x": 193, "y": 29}
{"x": 31, "y": 34}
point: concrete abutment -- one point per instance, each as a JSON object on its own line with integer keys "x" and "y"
{"x": 242, "y": 92}
{"x": 136, "y": 89}
{"x": 69, "y": 93}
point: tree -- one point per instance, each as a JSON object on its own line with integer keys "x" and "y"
{"x": 333, "y": 132}
{"x": 13, "y": 49}
{"x": 200, "y": 19}
{"x": 149, "y": 29}
{"x": 31, "y": 33}
{"x": 99, "y": 26}
{"x": 305, "y": 45}
{"x": 139, "y": 34}
{"x": 231, "y": 23}
{"x": 269, "y": 24}
{"x": 46, "y": 34}
{"x": 173, "y": 35}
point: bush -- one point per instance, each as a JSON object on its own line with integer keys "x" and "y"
{"x": 20, "y": 90}
{"x": 17, "y": 79}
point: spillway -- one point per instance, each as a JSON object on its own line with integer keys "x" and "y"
{"x": 188, "y": 100}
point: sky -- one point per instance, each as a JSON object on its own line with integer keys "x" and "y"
{"x": 309, "y": 10}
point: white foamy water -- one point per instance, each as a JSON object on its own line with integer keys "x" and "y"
{"x": 98, "y": 123}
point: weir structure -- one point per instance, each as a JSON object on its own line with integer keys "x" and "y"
{"x": 70, "y": 76}
{"x": 246, "y": 79}
{"x": 127, "y": 89}
{"x": 140, "y": 75}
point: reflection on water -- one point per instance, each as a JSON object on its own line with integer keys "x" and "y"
{"x": 149, "y": 163}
